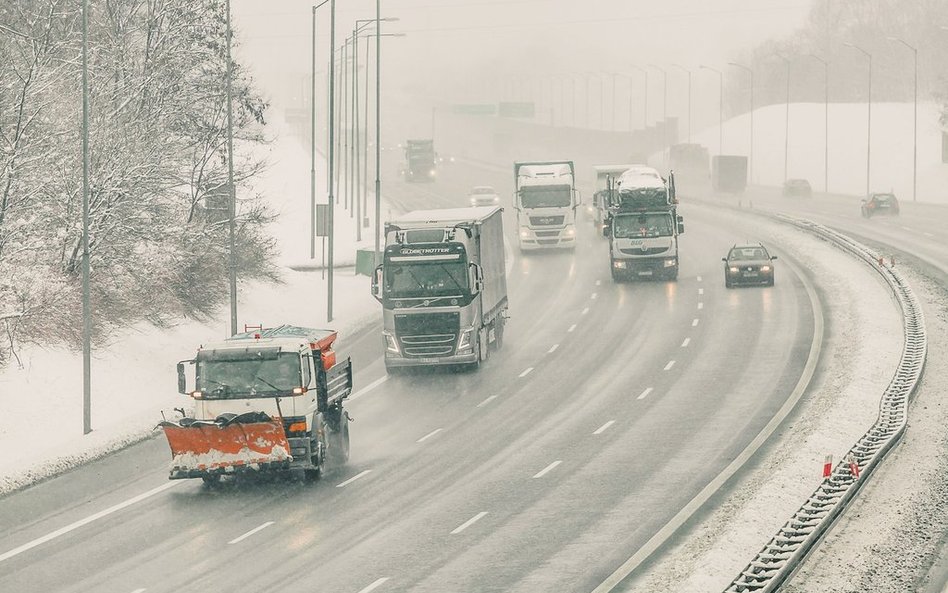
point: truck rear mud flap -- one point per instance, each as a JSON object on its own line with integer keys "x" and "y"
{"x": 229, "y": 444}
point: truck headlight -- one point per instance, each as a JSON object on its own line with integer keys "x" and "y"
{"x": 391, "y": 344}
{"x": 764, "y": 268}
{"x": 669, "y": 263}
{"x": 464, "y": 341}
{"x": 570, "y": 231}
{"x": 733, "y": 270}
{"x": 619, "y": 265}
{"x": 524, "y": 233}
{"x": 431, "y": 173}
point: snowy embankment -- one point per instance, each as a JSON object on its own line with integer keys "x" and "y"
{"x": 858, "y": 358}
{"x": 134, "y": 377}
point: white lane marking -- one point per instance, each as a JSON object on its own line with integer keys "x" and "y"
{"x": 526, "y": 372}
{"x": 598, "y": 282}
{"x": 374, "y": 585}
{"x": 700, "y": 305}
{"x": 905, "y": 228}
{"x": 547, "y": 469}
{"x": 487, "y": 401}
{"x": 552, "y": 348}
{"x": 237, "y": 540}
{"x": 73, "y": 526}
{"x": 571, "y": 328}
{"x": 369, "y": 387}
{"x": 594, "y": 295}
{"x": 429, "y": 435}
{"x": 670, "y": 364}
{"x": 361, "y": 474}
{"x": 927, "y": 234}
{"x": 686, "y": 342}
{"x": 694, "y": 323}
{"x": 645, "y": 393}
{"x": 699, "y": 278}
{"x": 469, "y": 522}
{"x": 700, "y": 291}
{"x": 139, "y": 590}
{"x": 604, "y": 427}
{"x": 586, "y": 310}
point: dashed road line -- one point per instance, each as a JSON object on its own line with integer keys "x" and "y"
{"x": 469, "y": 522}
{"x": 487, "y": 401}
{"x": 685, "y": 343}
{"x": 586, "y": 310}
{"x": 378, "y": 583}
{"x": 361, "y": 474}
{"x": 699, "y": 278}
{"x": 526, "y": 372}
{"x": 700, "y": 305}
{"x": 237, "y": 540}
{"x": 429, "y": 435}
{"x": 552, "y": 348}
{"x": 598, "y": 282}
{"x": 694, "y": 322}
{"x": 547, "y": 469}
{"x": 645, "y": 393}
{"x": 571, "y": 328}
{"x": 594, "y": 295}
{"x": 139, "y": 590}
{"x": 670, "y": 364}
{"x": 700, "y": 291}
{"x": 604, "y": 427}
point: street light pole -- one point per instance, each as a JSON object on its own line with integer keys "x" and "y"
{"x": 232, "y": 226}
{"x": 786, "y": 129}
{"x": 720, "y": 106}
{"x": 750, "y": 71}
{"x": 332, "y": 154}
{"x": 915, "y": 119}
{"x": 378, "y": 121}
{"x": 686, "y": 70}
{"x": 868, "y": 116}
{"x": 664, "y": 113}
{"x": 312, "y": 152}
{"x": 825, "y": 121}
{"x": 86, "y": 306}
{"x": 644, "y": 100}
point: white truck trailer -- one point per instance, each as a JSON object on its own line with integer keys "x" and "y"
{"x": 443, "y": 287}
{"x": 546, "y": 201}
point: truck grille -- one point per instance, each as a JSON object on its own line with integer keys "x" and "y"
{"x": 546, "y": 220}
{"x": 547, "y": 233}
{"x": 646, "y": 251}
{"x": 427, "y": 334}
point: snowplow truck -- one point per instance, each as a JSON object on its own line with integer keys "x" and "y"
{"x": 264, "y": 400}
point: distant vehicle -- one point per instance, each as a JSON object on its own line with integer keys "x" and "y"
{"x": 420, "y": 160}
{"x": 880, "y": 204}
{"x": 484, "y": 195}
{"x": 690, "y": 162}
{"x": 797, "y": 188}
{"x": 607, "y": 177}
{"x": 748, "y": 264}
{"x": 729, "y": 173}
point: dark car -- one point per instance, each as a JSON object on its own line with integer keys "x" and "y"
{"x": 797, "y": 188}
{"x": 748, "y": 264}
{"x": 875, "y": 204}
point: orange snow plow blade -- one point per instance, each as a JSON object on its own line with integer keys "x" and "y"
{"x": 246, "y": 442}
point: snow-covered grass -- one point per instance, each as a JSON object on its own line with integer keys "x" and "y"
{"x": 134, "y": 377}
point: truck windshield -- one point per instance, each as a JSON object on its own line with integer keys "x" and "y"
{"x": 546, "y": 196}
{"x": 632, "y": 226}
{"x": 421, "y": 279}
{"x": 231, "y": 375}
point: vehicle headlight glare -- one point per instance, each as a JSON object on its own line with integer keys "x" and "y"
{"x": 733, "y": 269}
{"x": 391, "y": 344}
{"x": 669, "y": 263}
{"x": 464, "y": 341}
{"x": 765, "y": 268}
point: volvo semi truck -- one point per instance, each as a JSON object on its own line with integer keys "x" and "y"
{"x": 443, "y": 287}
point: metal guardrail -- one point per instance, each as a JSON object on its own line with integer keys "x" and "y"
{"x": 787, "y": 549}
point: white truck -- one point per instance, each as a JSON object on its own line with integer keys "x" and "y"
{"x": 443, "y": 287}
{"x": 546, "y": 201}
{"x": 264, "y": 400}
{"x": 643, "y": 227}
{"x": 607, "y": 180}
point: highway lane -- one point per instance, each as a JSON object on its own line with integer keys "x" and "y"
{"x": 441, "y": 449}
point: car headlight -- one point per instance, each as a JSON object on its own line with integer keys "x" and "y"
{"x": 464, "y": 341}
{"x": 619, "y": 265}
{"x": 391, "y": 344}
{"x": 669, "y": 263}
{"x": 732, "y": 269}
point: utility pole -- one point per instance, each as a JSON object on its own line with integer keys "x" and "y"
{"x": 687, "y": 71}
{"x": 86, "y": 307}
{"x": 868, "y": 115}
{"x": 825, "y": 120}
{"x": 664, "y": 113}
{"x": 720, "y": 106}
{"x": 915, "y": 119}
{"x": 644, "y": 100}
{"x": 750, "y": 71}
{"x": 786, "y": 130}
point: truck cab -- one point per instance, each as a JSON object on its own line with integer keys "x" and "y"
{"x": 420, "y": 161}
{"x": 643, "y": 228}
{"x": 546, "y": 201}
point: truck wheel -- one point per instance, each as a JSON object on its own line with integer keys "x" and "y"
{"x": 338, "y": 452}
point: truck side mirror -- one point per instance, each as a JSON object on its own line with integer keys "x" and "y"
{"x": 606, "y": 227}
{"x": 577, "y": 198}
{"x": 377, "y": 283}
{"x": 182, "y": 377}
{"x": 681, "y": 228}
{"x": 476, "y": 279}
